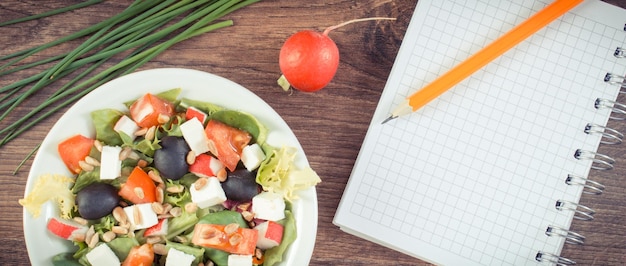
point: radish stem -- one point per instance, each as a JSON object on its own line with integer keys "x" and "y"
{"x": 327, "y": 30}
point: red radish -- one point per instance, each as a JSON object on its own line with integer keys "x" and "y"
{"x": 65, "y": 229}
{"x": 159, "y": 229}
{"x": 206, "y": 166}
{"x": 270, "y": 234}
{"x": 309, "y": 59}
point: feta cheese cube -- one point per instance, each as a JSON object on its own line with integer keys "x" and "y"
{"x": 252, "y": 156}
{"x": 193, "y": 133}
{"x": 176, "y": 257}
{"x": 127, "y": 126}
{"x": 147, "y": 216}
{"x": 239, "y": 260}
{"x": 102, "y": 255}
{"x": 268, "y": 206}
{"x": 209, "y": 195}
{"x": 110, "y": 164}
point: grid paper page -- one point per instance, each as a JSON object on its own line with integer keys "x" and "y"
{"x": 473, "y": 177}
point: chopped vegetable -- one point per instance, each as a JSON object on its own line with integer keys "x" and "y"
{"x": 230, "y": 238}
{"x": 150, "y": 110}
{"x": 309, "y": 59}
{"x": 227, "y": 141}
{"x": 50, "y": 187}
{"x": 73, "y": 150}
{"x": 278, "y": 174}
{"x": 140, "y": 256}
{"x": 139, "y": 187}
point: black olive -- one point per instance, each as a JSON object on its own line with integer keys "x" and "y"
{"x": 240, "y": 185}
{"x": 171, "y": 159}
{"x": 97, "y": 200}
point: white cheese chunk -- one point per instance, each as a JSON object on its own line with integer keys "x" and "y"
{"x": 127, "y": 126}
{"x": 193, "y": 133}
{"x": 252, "y": 156}
{"x": 102, "y": 255}
{"x": 176, "y": 257}
{"x": 239, "y": 260}
{"x": 209, "y": 195}
{"x": 268, "y": 206}
{"x": 110, "y": 164}
{"x": 147, "y": 216}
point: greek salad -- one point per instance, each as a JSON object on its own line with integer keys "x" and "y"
{"x": 173, "y": 181}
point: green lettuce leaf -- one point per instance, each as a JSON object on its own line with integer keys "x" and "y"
{"x": 104, "y": 120}
{"x": 279, "y": 174}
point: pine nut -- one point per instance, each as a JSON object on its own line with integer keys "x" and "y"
{"x": 142, "y": 131}
{"x": 108, "y": 236}
{"x": 175, "y": 189}
{"x": 139, "y": 192}
{"x": 159, "y": 195}
{"x": 92, "y": 161}
{"x": 150, "y": 133}
{"x": 162, "y": 119}
{"x": 212, "y": 148}
{"x": 191, "y": 207}
{"x": 153, "y": 239}
{"x": 155, "y": 176}
{"x": 119, "y": 215}
{"x": 85, "y": 166}
{"x": 159, "y": 249}
{"x": 124, "y": 153}
{"x": 157, "y": 207}
{"x": 142, "y": 163}
{"x": 93, "y": 241}
{"x": 89, "y": 234}
{"x": 235, "y": 239}
{"x": 231, "y": 228}
{"x": 120, "y": 230}
{"x": 191, "y": 157}
{"x": 222, "y": 175}
{"x": 98, "y": 145}
{"x": 137, "y": 219}
{"x": 200, "y": 183}
{"x": 80, "y": 220}
{"x": 176, "y": 211}
{"x": 248, "y": 216}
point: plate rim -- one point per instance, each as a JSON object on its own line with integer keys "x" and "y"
{"x": 308, "y": 217}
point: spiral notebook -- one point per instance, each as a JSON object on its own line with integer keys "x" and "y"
{"x": 491, "y": 172}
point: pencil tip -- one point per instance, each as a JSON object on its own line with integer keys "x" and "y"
{"x": 391, "y": 117}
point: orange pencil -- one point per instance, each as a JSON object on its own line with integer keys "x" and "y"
{"x": 483, "y": 57}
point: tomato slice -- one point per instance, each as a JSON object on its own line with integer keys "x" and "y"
{"x": 228, "y": 142}
{"x": 217, "y": 236}
{"x": 139, "y": 187}
{"x": 147, "y": 109}
{"x": 73, "y": 150}
{"x": 140, "y": 256}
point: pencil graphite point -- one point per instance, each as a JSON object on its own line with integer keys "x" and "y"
{"x": 391, "y": 117}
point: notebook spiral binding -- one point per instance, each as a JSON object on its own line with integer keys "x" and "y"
{"x": 620, "y": 52}
{"x": 551, "y": 258}
{"x": 609, "y": 136}
{"x": 617, "y": 108}
{"x": 615, "y": 79}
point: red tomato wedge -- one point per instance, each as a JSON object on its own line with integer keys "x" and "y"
{"x": 147, "y": 109}
{"x": 140, "y": 256}
{"x": 228, "y": 142}
{"x": 239, "y": 241}
{"x": 139, "y": 187}
{"x": 73, "y": 150}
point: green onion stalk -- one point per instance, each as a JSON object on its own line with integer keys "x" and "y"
{"x": 142, "y": 31}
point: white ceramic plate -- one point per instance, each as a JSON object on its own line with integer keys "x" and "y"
{"x": 42, "y": 245}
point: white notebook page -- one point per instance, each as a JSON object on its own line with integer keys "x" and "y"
{"x": 473, "y": 177}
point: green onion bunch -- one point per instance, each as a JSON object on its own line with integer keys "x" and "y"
{"x": 140, "y": 32}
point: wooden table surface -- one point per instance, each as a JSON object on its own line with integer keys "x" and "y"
{"x": 330, "y": 124}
